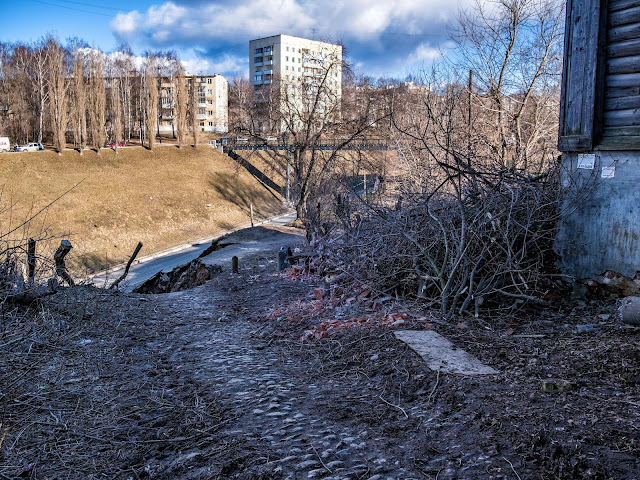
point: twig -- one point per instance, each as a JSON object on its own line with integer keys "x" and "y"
{"x": 511, "y": 465}
{"x": 320, "y": 458}
{"x": 3, "y": 435}
{"x": 394, "y": 406}
{"x": 11, "y": 342}
{"x": 433, "y": 390}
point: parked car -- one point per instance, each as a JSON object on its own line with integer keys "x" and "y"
{"x": 5, "y": 146}
{"x": 213, "y": 143}
{"x": 225, "y": 140}
{"x": 241, "y": 140}
{"x": 113, "y": 145}
{"x": 270, "y": 138}
{"x": 30, "y": 147}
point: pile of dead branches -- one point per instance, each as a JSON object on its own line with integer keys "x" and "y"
{"x": 479, "y": 243}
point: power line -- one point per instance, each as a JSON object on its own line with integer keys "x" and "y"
{"x": 74, "y": 8}
{"x": 92, "y": 5}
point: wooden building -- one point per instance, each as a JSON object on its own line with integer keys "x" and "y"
{"x": 599, "y": 138}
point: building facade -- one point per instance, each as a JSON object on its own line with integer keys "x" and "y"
{"x": 212, "y": 107}
{"x": 303, "y": 74}
{"x": 599, "y": 137}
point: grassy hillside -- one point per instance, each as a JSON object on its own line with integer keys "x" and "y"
{"x": 162, "y": 197}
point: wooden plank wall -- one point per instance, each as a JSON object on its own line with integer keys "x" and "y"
{"x": 622, "y": 81}
{"x": 582, "y": 66}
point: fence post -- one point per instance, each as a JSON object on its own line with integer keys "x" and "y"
{"x": 31, "y": 260}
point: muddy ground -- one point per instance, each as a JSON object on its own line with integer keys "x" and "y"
{"x": 266, "y": 375}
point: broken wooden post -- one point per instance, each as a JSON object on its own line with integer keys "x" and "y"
{"x": 31, "y": 260}
{"x": 126, "y": 269}
{"x": 282, "y": 259}
{"x": 61, "y": 269}
{"x": 251, "y": 215}
{"x": 234, "y": 264}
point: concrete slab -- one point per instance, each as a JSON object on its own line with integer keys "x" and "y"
{"x": 441, "y": 355}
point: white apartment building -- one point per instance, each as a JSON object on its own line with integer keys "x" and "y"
{"x": 212, "y": 97}
{"x": 297, "y": 68}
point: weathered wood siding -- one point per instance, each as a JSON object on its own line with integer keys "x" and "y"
{"x": 582, "y": 71}
{"x": 621, "y": 116}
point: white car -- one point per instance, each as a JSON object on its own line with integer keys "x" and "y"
{"x": 30, "y": 147}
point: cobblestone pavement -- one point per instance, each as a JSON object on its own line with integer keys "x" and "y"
{"x": 273, "y": 406}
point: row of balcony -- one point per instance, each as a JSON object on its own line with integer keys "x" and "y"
{"x": 263, "y": 63}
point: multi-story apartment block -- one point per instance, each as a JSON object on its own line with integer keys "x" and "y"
{"x": 304, "y": 73}
{"x": 212, "y": 103}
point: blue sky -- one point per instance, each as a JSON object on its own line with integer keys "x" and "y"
{"x": 383, "y": 38}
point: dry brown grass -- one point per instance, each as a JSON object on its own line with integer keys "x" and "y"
{"x": 159, "y": 197}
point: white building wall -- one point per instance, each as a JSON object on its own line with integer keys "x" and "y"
{"x": 296, "y": 63}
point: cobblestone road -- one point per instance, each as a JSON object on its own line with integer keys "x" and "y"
{"x": 272, "y": 404}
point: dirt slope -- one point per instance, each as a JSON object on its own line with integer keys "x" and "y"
{"x": 162, "y": 197}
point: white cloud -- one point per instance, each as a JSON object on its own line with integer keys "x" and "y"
{"x": 358, "y": 19}
{"x": 235, "y": 66}
{"x": 423, "y": 52}
{"x": 125, "y": 24}
{"x": 384, "y": 34}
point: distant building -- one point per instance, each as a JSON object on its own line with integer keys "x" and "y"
{"x": 296, "y": 70}
{"x": 212, "y": 96}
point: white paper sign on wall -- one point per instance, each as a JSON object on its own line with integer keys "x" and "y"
{"x": 586, "y": 160}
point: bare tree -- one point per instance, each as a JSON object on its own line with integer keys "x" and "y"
{"x": 514, "y": 49}
{"x": 31, "y": 62}
{"x": 151, "y": 83}
{"x": 195, "y": 97}
{"x": 116, "y": 113}
{"x": 124, "y": 69}
{"x": 79, "y": 104}
{"x": 97, "y": 100}
{"x": 241, "y": 101}
{"x": 181, "y": 98}
{"x": 57, "y": 92}
{"x": 320, "y": 141}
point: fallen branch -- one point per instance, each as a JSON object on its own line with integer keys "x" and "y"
{"x": 126, "y": 269}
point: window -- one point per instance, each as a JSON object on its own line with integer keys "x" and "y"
{"x": 210, "y": 102}
{"x": 211, "y": 124}
{"x": 210, "y": 113}
{"x": 287, "y": 57}
{"x": 287, "y": 49}
{"x": 209, "y": 81}
{"x": 258, "y": 51}
{"x": 298, "y": 59}
{"x": 287, "y": 67}
{"x": 299, "y": 69}
{"x": 209, "y": 92}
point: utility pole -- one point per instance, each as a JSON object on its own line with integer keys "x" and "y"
{"x": 470, "y": 90}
